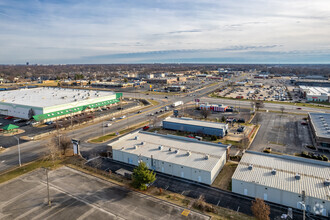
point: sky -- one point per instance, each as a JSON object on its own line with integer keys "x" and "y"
{"x": 164, "y": 31}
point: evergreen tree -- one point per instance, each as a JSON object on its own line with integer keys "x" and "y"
{"x": 142, "y": 176}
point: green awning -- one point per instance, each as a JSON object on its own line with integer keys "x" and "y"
{"x": 73, "y": 110}
{"x": 10, "y": 127}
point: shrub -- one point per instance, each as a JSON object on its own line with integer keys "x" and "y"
{"x": 214, "y": 138}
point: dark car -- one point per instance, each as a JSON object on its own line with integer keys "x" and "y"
{"x": 241, "y": 129}
{"x": 299, "y": 108}
{"x": 120, "y": 108}
{"x": 241, "y": 120}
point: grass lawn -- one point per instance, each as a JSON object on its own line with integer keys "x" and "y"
{"x": 28, "y": 168}
{"x": 153, "y": 102}
{"x": 223, "y": 180}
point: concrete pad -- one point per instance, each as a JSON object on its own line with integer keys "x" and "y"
{"x": 76, "y": 195}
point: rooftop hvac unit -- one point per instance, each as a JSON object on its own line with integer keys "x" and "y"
{"x": 250, "y": 167}
{"x": 327, "y": 182}
{"x": 136, "y": 137}
{"x": 160, "y": 147}
{"x": 188, "y": 153}
{"x": 297, "y": 176}
{"x": 273, "y": 172}
{"x": 206, "y": 157}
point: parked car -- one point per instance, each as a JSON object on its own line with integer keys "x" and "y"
{"x": 122, "y": 117}
{"x": 9, "y": 117}
{"x": 145, "y": 127}
{"x": 17, "y": 120}
{"x": 108, "y": 124}
{"x": 0, "y": 124}
{"x": 120, "y": 108}
{"x": 241, "y": 129}
{"x": 299, "y": 108}
{"x": 112, "y": 119}
{"x": 49, "y": 122}
{"x": 303, "y": 123}
{"x": 241, "y": 120}
{"x": 139, "y": 112}
{"x": 199, "y": 138}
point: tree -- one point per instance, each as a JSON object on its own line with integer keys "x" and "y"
{"x": 205, "y": 112}
{"x": 31, "y": 113}
{"x": 260, "y": 209}
{"x": 259, "y": 104}
{"x": 63, "y": 142}
{"x": 53, "y": 150}
{"x": 142, "y": 176}
{"x": 282, "y": 109}
{"x": 223, "y": 118}
{"x": 125, "y": 80}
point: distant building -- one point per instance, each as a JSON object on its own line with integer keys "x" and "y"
{"x": 173, "y": 155}
{"x": 320, "y": 126}
{"x": 315, "y": 94}
{"x": 196, "y": 126}
{"x": 53, "y": 103}
{"x": 175, "y": 88}
{"x": 163, "y": 81}
{"x": 309, "y": 82}
{"x": 283, "y": 179}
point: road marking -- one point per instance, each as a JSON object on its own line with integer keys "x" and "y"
{"x": 185, "y": 212}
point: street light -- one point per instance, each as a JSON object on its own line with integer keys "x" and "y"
{"x": 19, "y": 151}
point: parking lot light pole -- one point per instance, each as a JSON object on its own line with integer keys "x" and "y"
{"x": 19, "y": 151}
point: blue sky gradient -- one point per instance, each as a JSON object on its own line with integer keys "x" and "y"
{"x": 149, "y": 31}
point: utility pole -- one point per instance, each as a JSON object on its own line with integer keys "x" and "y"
{"x": 19, "y": 151}
{"x": 49, "y": 202}
{"x": 303, "y": 195}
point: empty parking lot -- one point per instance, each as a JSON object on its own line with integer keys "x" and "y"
{"x": 282, "y": 132}
{"x": 76, "y": 195}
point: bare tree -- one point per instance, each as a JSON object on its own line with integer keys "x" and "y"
{"x": 53, "y": 150}
{"x": 282, "y": 109}
{"x": 63, "y": 142}
{"x": 260, "y": 209}
{"x": 205, "y": 112}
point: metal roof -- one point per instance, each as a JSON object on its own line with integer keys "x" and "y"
{"x": 152, "y": 141}
{"x": 50, "y": 96}
{"x": 313, "y": 173}
{"x": 190, "y": 121}
{"x": 321, "y": 124}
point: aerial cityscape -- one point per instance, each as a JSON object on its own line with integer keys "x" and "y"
{"x": 165, "y": 109}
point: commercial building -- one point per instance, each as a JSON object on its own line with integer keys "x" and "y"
{"x": 285, "y": 180}
{"x": 174, "y": 155}
{"x": 175, "y": 88}
{"x": 309, "y": 82}
{"x": 214, "y": 107}
{"x": 164, "y": 81}
{"x": 315, "y": 94}
{"x": 320, "y": 127}
{"x": 196, "y": 126}
{"x": 47, "y": 103}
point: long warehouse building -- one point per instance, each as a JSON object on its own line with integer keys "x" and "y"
{"x": 174, "y": 155}
{"x": 47, "y": 102}
{"x": 285, "y": 180}
{"x": 320, "y": 127}
{"x": 196, "y": 126}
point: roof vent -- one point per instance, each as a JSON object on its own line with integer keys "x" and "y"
{"x": 122, "y": 148}
{"x": 160, "y": 147}
{"x": 170, "y": 149}
{"x": 327, "y": 182}
{"x": 297, "y": 176}
{"x": 206, "y": 157}
{"x": 142, "y": 143}
{"x": 135, "y": 146}
{"x": 188, "y": 153}
{"x": 250, "y": 167}
{"x": 136, "y": 137}
{"x": 176, "y": 151}
{"x": 273, "y": 172}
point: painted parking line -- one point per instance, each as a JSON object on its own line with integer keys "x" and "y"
{"x": 185, "y": 212}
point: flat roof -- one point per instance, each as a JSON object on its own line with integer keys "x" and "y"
{"x": 152, "y": 141}
{"x": 313, "y": 173}
{"x": 48, "y": 96}
{"x": 190, "y": 121}
{"x": 321, "y": 124}
{"x": 316, "y": 90}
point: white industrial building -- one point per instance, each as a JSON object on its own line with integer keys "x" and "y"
{"x": 174, "y": 155}
{"x": 315, "y": 94}
{"x": 282, "y": 179}
{"x": 47, "y": 102}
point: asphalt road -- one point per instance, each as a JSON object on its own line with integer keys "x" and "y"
{"x": 75, "y": 195}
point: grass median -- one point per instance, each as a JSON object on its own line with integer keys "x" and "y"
{"x": 11, "y": 174}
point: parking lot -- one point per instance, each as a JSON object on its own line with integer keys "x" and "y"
{"x": 282, "y": 133}
{"x": 75, "y": 195}
{"x": 29, "y": 130}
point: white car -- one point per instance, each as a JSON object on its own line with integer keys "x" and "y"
{"x": 0, "y": 123}
{"x": 108, "y": 125}
{"x": 112, "y": 119}
{"x": 122, "y": 117}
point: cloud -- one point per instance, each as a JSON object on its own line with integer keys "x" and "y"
{"x": 66, "y": 31}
